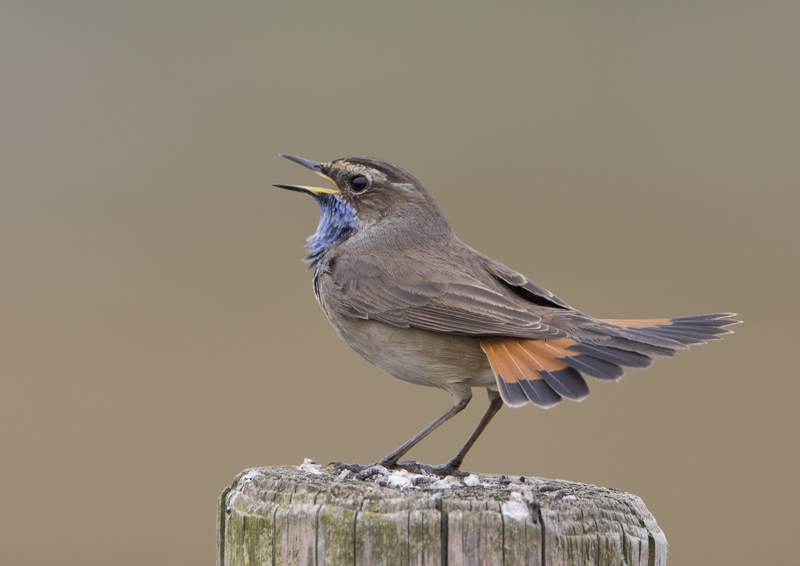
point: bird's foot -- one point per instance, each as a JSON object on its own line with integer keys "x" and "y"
{"x": 448, "y": 469}
{"x": 382, "y": 468}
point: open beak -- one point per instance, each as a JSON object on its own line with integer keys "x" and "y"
{"x": 316, "y": 168}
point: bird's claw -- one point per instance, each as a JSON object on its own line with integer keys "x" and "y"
{"x": 448, "y": 469}
{"x": 382, "y": 468}
{"x": 361, "y": 471}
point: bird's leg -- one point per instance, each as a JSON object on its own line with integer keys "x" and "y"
{"x": 461, "y": 396}
{"x": 495, "y": 404}
{"x": 452, "y": 468}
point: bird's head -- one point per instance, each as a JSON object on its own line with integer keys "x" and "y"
{"x": 368, "y": 194}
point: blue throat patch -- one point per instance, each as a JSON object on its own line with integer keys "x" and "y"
{"x": 336, "y": 221}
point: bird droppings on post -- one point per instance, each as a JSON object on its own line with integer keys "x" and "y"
{"x": 403, "y": 479}
{"x": 249, "y": 475}
{"x": 472, "y": 480}
{"x": 515, "y": 508}
{"x": 311, "y": 467}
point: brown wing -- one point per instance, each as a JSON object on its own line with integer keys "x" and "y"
{"x": 434, "y": 294}
{"x": 520, "y": 285}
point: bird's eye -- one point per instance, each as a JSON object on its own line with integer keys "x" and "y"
{"x": 359, "y": 183}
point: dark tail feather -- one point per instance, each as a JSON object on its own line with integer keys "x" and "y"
{"x": 634, "y": 343}
{"x": 670, "y": 333}
{"x": 614, "y": 356}
{"x": 627, "y": 342}
{"x": 544, "y": 371}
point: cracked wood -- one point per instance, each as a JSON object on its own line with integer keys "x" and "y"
{"x": 290, "y": 515}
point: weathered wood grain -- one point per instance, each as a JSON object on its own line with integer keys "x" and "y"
{"x": 310, "y": 515}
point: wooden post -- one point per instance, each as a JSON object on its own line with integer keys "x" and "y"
{"x": 310, "y": 515}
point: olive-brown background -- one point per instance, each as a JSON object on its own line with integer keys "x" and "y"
{"x": 159, "y": 333}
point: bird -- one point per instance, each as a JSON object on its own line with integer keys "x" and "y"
{"x": 406, "y": 294}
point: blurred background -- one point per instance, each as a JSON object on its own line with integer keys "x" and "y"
{"x": 159, "y": 333}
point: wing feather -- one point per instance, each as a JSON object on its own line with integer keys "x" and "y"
{"x": 449, "y": 298}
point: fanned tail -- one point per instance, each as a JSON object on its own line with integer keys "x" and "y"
{"x": 543, "y": 372}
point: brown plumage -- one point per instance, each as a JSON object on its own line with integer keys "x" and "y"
{"x": 404, "y": 292}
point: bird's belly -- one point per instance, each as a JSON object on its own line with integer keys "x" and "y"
{"x": 418, "y": 356}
